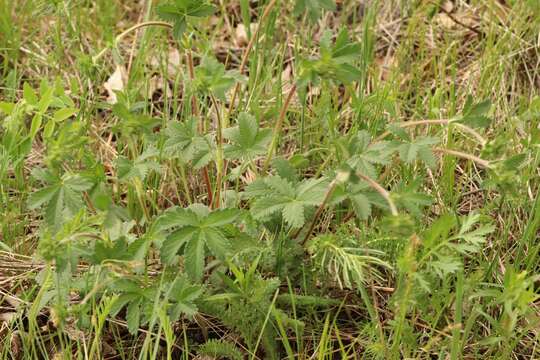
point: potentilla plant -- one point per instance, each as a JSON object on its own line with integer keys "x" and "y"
{"x": 109, "y": 234}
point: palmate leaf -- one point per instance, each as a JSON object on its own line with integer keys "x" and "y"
{"x": 184, "y": 294}
{"x": 137, "y": 298}
{"x": 211, "y": 77}
{"x": 444, "y": 251}
{"x": 362, "y": 155}
{"x": 247, "y": 140}
{"x": 62, "y": 197}
{"x": 419, "y": 149}
{"x": 411, "y": 150}
{"x": 274, "y": 194}
{"x": 336, "y": 62}
{"x": 408, "y": 197}
{"x": 361, "y": 197}
{"x": 185, "y": 143}
{"x": 195, "y": 230}
{"x": 313, "y": 8}
{"x": 470, "y": 240}
{"x": 138, "y": 168}
{"x": 179, "y": 13}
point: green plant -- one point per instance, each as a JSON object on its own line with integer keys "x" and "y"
{"x": 362, "y": 184}
{"x": 196, "y": 229}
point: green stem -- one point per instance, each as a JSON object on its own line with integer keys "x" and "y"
{"x": 219, "y": 153}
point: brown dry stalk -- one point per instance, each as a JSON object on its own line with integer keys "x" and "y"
{"x": 195, "y": 111}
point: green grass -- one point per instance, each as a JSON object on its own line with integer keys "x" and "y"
{"x": 355, "y": 181}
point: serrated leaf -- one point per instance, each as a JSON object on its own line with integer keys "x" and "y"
{"x": 418, "y": 149}
{"x": 221, "y": 217}
{"x": 42, "y": 196}
{"x": 216, "y": 242}
{"x": 133, "y": 317}
{"x": 179, "y": 11}
{"x": 361, "y": 206}
{"x": 62, "y": 197}
{"x": 247, "y": 140}
{"x": 293, "y": 213}
{"x": 176, "y": 217}
{"x": 211, "y": 78}
{"x": 193, "y": 230}
{"x": 313, "y": 7}
{"x": 184, "y": 294}
{"x": 281, "y": 196}
{"x": 138, "y": 168}
{"x": 446, "y": 265}
{"x": 175, "y": 241}
{"x": 280, "y": 186}
{"x": 266, "y": 206}
{"x": 194, "y": 257}
{"x": 475, "y": 114}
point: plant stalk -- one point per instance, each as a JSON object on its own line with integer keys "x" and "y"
{"x": 277, "y": 127}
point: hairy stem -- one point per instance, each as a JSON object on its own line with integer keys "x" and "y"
{"x": 382, "y": 191}
{"x": 219, "y": 152}
{"x": 119, "y": 37}
{"x": 277, "y": 127}
{"x": 481, "y": 162}
{"x": 318, "y": 213}
{"x": 195, "y": 111}
{"x": 464, "y": 128}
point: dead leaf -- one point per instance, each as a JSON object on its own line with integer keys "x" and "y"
{"x": 286, "y": 74}
{"x": 16, "y": 345}
{"x": 8, "y": 316}
{"x": 445, "y": 21}
{"x": 157, "y": 84}
{"x": 115, "y": 83}
{"x": 448, "y": 6}
{"x": 241, "y": 37}
{"x": 241, "y": 34}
